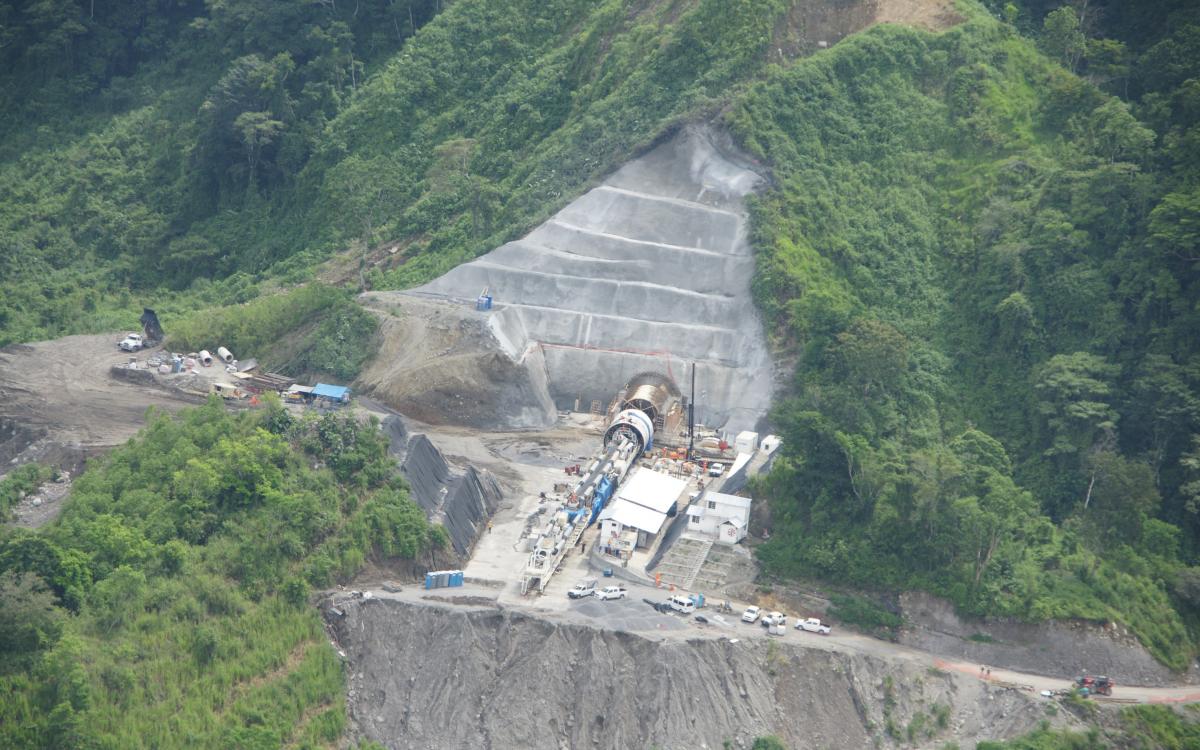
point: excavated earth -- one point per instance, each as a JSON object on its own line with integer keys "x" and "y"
{"x": 436, "y": 675}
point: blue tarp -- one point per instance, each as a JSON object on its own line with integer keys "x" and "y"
{"x": 335, "y": 392}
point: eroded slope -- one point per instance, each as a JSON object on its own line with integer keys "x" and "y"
{"x": 431, "y": 676}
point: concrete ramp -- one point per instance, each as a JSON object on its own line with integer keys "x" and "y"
{"x": 649, "y": 271}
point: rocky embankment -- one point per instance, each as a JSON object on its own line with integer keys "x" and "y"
{"x": 1058, "y": 648}
{"x": 428, "y": 675}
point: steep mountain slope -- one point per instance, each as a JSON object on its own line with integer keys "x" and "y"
{"x": 432, "y": 676}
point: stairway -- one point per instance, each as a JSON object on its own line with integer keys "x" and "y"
{"x": 681, "y": 564}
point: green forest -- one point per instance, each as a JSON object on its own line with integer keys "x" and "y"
{"x": 169, "y": 605}
{"x": 980, "y": 248}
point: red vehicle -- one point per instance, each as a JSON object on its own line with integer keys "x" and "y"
{"x": 1095, "y": 685}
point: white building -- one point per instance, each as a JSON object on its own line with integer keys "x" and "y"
{"x": 724, "y": 518}
{"x": 639, "y": 511}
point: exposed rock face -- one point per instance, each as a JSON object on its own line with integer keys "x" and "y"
{"x": 433, "y": 676}
{"x": 1058, "y": 648}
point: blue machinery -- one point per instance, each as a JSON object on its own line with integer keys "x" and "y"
{"x": 627, "y": 437}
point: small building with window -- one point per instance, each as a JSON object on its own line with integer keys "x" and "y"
{"x": 639, "y": 512}
{"x": 723, "y": 518}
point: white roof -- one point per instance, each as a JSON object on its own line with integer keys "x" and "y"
{"x": 652, "y": 490}
{"x": 637, "y": 516}
{"x": 723, "y": 499}
{"x": 739, "y": 462}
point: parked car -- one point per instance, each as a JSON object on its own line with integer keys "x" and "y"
{"x": 682, "y": 604}
{"x": 751, "y": 614}
{"x": 584, "y": 588}
{"x": 716, "y": 470}
{"x": 611, "y": 592}
{"x": 813, "y": 625}
{"x": 131, "y": 343}
{"x": 774, "y": 618}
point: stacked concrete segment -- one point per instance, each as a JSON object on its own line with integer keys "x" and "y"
{"x": 649, "y": 271}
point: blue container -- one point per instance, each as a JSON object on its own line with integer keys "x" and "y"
{"x": 456, "y": 578}
{"x": 429, "y": 580}
{"x": 698, "y": 599}
{"x": 483, "y": 302}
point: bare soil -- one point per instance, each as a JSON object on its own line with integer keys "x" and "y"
{"x": 812, "y": 25}
{"x": 59, "y": 403}
{"x": 460, "y": 671}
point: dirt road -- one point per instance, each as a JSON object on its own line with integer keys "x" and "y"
{"x": 634, "y": 615}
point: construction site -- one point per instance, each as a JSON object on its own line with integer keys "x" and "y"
{"x": 582, "y": 408}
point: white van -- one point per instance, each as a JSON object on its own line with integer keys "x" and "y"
{"x": 682, "y": 604}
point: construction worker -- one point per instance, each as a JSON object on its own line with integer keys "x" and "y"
{"x": 489, "y": 527}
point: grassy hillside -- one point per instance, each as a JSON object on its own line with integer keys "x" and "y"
{"x": 169, "y": 605}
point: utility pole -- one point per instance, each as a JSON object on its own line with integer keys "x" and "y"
{"x": 692, "y": 417}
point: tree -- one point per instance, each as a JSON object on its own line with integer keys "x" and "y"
{"x": 1175, "y": 228}
{"x": 1116, "y": 135}
{"x": 872, "y": 354}
{"x": 29, "y": 619}
{"x": 1074, "y": 393}
{"x": 1120, "y": 498}
{"x": 1164, "y": 409}
{"x": 995, "y": 516}
{"x": 257, "y": 131}
{"x": 1190, "y": 489}
{"x": 1062, "y": 37}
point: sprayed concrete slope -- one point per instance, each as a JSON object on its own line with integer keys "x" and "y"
{"x": 649, "y": 271}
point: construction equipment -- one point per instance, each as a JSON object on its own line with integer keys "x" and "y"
{"x": 1087, "y": 685}
{"x": 152, "y": 331}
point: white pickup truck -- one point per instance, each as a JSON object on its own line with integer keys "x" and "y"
{"x": 131, "y": 343}
{"x": 584, "y": 588}
{"x": 813, "y": 625}
{"x": 773, "y": 619}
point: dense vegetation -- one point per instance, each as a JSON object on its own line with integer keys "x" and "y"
{"x": 1137, "y": 728}
{"x": 979, "y": 246}
{"x": 169, "y": 605}
{"x": 267, "y": 135}
{"x": 984, "y": 266}
{"x": 313, "y": 329}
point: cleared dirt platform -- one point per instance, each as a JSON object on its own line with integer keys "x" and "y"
{"x": 59, "y": 404}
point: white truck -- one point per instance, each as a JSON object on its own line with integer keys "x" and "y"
{"x": 813, "y": 625}
{"x": 773, "y": 619}
{"x": 131, "y": 343}
{"x": 611, "y": 592}
{"x": 583, "y": 589}
{"x": 751, "y": 614}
